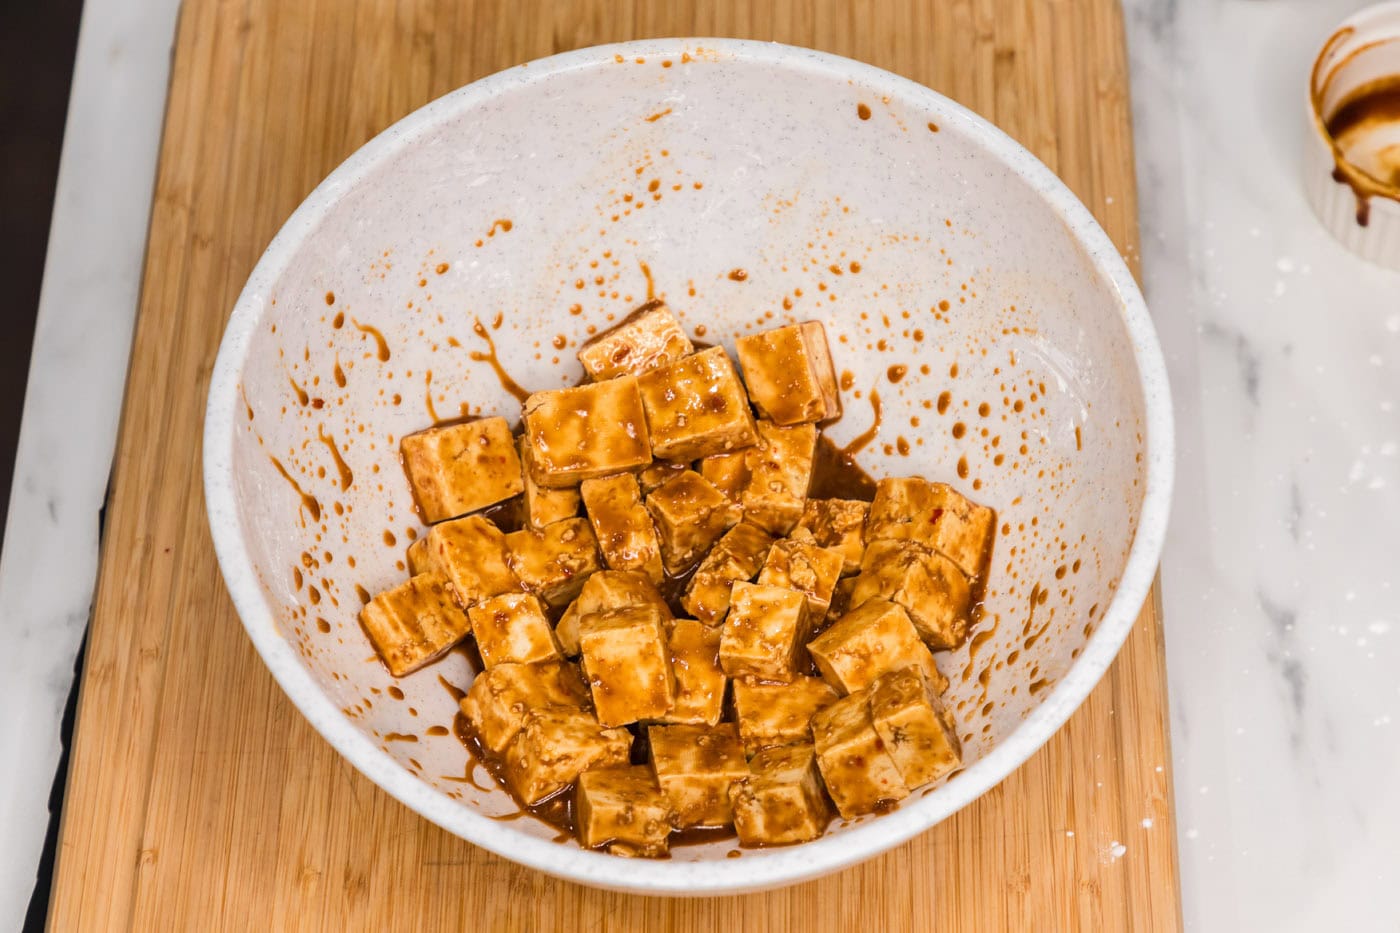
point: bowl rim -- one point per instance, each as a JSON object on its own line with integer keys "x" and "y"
{"x": 767, "y": 868}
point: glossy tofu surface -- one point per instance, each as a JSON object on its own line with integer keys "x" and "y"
{"x": 513, "y": 628}
{"x": 557, "y": 744}
{"x": 807, "y": 568}
{"x": 586, "y": 431}
{"x": 838, "y": 524}
{"x": 782, "y": 800}
{"x": 780, "y": 473}
{"x": 917, "y": 731}
{"x": 623, "y": 526}
{"x": 876, "y": 637}
{"x": 553, "y": 562}
{"x": 628, "y": 664}
{"x": 413, "y": 624}
{"x": 462, "y": 467}
{"x": 789, "y": 374}
{"x": 929, "y": 586}
{"x": 621, "y": 810}
{"x": 498, "y": 698}
{"x": 649, "y": 337}
{"x": 700, "y": 681}
{"x": 779, "y": 714}
{"x": 470, "y": 554}
{"x": 858, "y": 772}
{"x": 696, "y": 766}
{"x": 696, "y": 407}
{"x": 765, "y": 633}
{"x": 690, "y": 515}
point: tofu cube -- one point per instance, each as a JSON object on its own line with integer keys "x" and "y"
{"x": 789, "y": 373}
{"x": 417, "y": 556}
{"x": 779, "y": 714}
{"x": 841, "y": 599}
{"x": 499, "y": 697}
{"x": 647, "y": 338}
{"x": 695, "y": 767}
{"x": 838, "y": 524}
{"x": 413, "y": 624}
{"x": 765, "y": 634}
{"x": 700, "y": 681}
{"x": 606, "y": 589}
{"x": 871, "y": 640}
{"x": 470, "y": 554}
{"x": 729, "y": 473}
{"x": 659, "y": 472}
{"x": 780, "y": 473}
{"x": 811, "y": 570}
{"x": 622, "y": 524}
{"x": 461, "y": 468}
{"x": 512, "y": 628}
{"x": 737, "y": 556}
{"x": 622, "y": 811}
{"x": 544, "y": 506}
{"x": 781, "y": 801}
{"x": 586, "y": 431}
{"x": 930, "y": 587}
{"x": 859, "y": 774}
{"x": 917, "y": 731}
{"x": 690, "y": 515}
{"x": 628, "y": 664}
{"x": 557, "y": 744}
{"x": 936, "y": 516}
{"x": 696, "y": 407}
{"x": 553, "y": 563}
{"x": 964, "y": 530}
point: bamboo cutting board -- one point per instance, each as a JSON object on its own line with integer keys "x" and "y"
{"x": 198, "y": 798}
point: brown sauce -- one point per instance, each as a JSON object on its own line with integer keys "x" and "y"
{"x": 347, "y": 478}
{"x": 382, "y": 345}
{"x": 738, "y": 275}
{"x": 339, "y": 373}
{"x": 491, "y": 359}
{"x": 1355, "y": 128}
{"x": 308, "y": 501}
{"x": 862, "y": 440}
{"x": 836, "y": 475}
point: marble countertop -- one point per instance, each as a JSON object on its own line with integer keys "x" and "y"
{"x": 1283, "y": 636}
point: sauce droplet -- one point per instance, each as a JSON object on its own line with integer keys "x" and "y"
{"x": 330, "y": 298}
{"x": 651, "y": 284}
{"x": 944, "y": 400}
{"x": 346, "y": 476}
{"x": 308, "y": 501}
{"x": 382, "y": 344}
{"x": 896, "y": 372}
{"x": 500, "y": 224}
{"x": 492, "y": 360}
{"x": 962, "y": 468}
{"x": 863, "y": 111}
{"x": 862, "y": 440}
{"x": 339, "y": 373}
{"x": 738, "y": 275}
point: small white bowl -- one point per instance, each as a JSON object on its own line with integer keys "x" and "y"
{"x": 920, "y": 235}
{"x": 1361, "y": 212}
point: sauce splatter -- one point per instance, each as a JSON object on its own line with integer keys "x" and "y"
{"x": 330, "y": 298}
{"x": 491, "y": 359}
{"x": 339, "y": 373}
{"x": 346, "y": 476}
{"x": 501, "y": 224}
{"x": 896, "y": 372}
{"x": 308, "y": 501}
{"x": 738, "y": 275}
{"x": 651, "y": 283}
{"x": 862, "y": 440}
{"x": 428, "y": 399}
{"x": 658, "y": 115}
{"x": 1078, "y": 438}
{"x": 863, "y": 111}
{"x": 302, "y": 397}
{"x": 442, "y": 268}
{"x": 944, "y": 400}
{"x": 381, "y": 343}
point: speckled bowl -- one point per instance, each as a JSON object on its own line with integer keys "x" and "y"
{"x": 535, "y": 207}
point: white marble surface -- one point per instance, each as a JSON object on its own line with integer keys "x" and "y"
{"x": 1283, "y": 636}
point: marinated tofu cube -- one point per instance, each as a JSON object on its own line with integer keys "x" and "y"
{"x": 461, "y": 468}
{"x": 780, "y": 473}
{"x": 936, "y": 516}
{"x": 928, "y": 585}
{"x": 647, "y": 338}
{"x": 417, "y": 556}
{"x": 695, "y": 767}
{"x": 781, "y": 801}
{"x": 917, "y": 731}
{"x": 557, "y": 744}
{"x": 737, "y": 556}
{"x": 729, "y": 473}
{"x": 512, "y": 628}
{"x": 690, "y": 515}
{"x": 470, "y": 554}
{"x": 413, "y": 624}
{"x": 811, "y": 570}
{"x": 622, "y": 811}
{"x": 779, "y": 714}
{"x": 700, "y": 681}
{"x": 628, "y": 664}
{"x": 586, "y": 431}
{"x": 696, "y": 407}
{"x": 870, "y": 640}
{"x": 553, "y": 563}
{"x": 499, "y": 697}
{"x": 859, "y": 774}
{"x": 606, "y": 589}
{"x": 789, "y": 373}
{"x": 544, "y": 506}
{"x": 841, "y": 599}
{"x": 765, "y": 634}
{"x": 659, "y": 472}
{"x": 838, "y": 524}
{"x": 622, "y": 524}
{"x": 964, "y": 530}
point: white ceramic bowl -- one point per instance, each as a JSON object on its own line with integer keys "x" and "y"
{"x": 695, "y": 158}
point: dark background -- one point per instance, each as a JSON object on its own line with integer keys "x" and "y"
{"x": 38, "y": 39}
{"x": 37, "y": 42}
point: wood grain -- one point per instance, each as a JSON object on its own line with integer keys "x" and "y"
{"x": 199, "y": 799}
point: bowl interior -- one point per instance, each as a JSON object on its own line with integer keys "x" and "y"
{"x": 520, "y": 216}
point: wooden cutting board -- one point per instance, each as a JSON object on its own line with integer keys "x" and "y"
{"x": 198, "y": 798}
